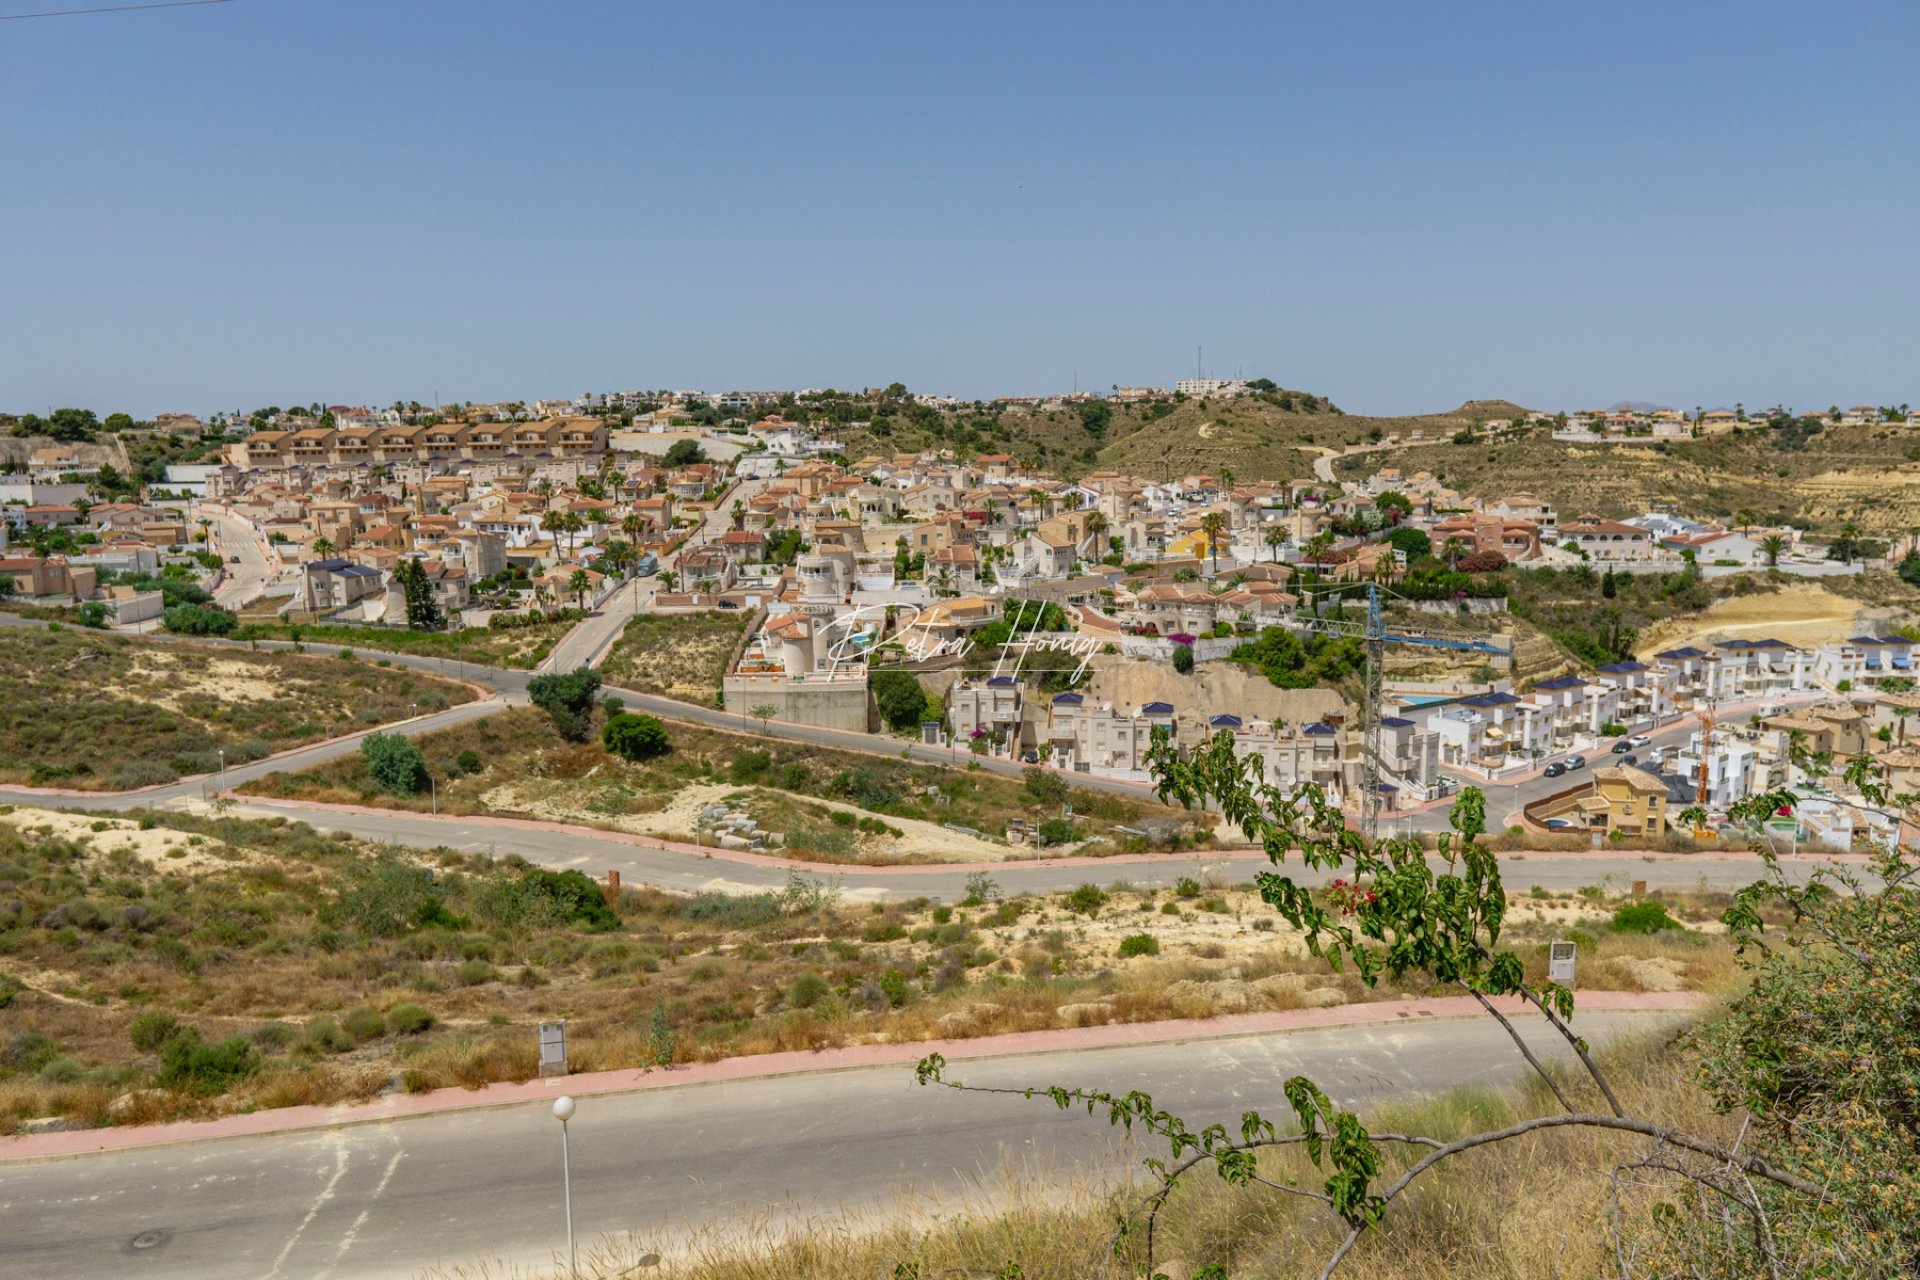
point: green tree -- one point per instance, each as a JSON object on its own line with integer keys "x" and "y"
{"x": 763, "y": 712}
{"x": 568, "y": 699}
{"x": 1773, "y": 546}
{"x": 1183, "y": 658}
{"x": 1413, "y": 543}
{"x": 685, "y": 453}
{"x": 322, "y": 547}
{"x": 578, "y": 585}
{"x": 635, "y": 737}
{"x": 900, "y": 697}
{"x": 198, "y": 620}
{"x": 423, "y": 611}
{"x": 394, "y": 764}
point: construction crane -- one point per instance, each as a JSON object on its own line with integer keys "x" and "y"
{"x": 1376, "y": 637}
{"x": 1706, "y": 755}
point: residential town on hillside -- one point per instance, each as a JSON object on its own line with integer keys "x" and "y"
{"x": 844, "y": 566}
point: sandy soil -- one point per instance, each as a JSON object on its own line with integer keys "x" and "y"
{"x": 1212, "y": 687}
{"x": 1798, "y": 614}
{"x": 566, "y": 802}
{"x": 224, "y": 678}
{"x": 161, "y": 848}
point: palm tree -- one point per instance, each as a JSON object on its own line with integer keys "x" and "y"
{"x": 578, "y": 585}
{"x": 1072, "y": 498}
{"x": 555, "y": 523}
{"x": 571, "y": 523}
{"x": 1746, "y": 517}
{"x": 323, "y": 547}
{"x": 633, "y": 526}
{"x": 1095, "y": 526}
{"x": 739, "y": 515}
{"x": 1773, "y": 546}
{"x": 1275, "y": 536}
{"x": 1451, "y": 552}
{"x": 1213, "y": 524}
{"x": 669, "y": 579}
{"x": 619, "y": 555}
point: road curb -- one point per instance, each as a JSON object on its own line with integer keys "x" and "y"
{"x": 280, "y": 1122}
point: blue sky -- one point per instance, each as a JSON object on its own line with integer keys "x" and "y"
{"x": 1398, "y": 205}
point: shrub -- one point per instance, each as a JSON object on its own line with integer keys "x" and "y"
{"x": 144, "y": 773}
{"x": 1087, "y": 900}
{"x": 365, "y": 1024}
{"x": 1182, "y": 658}
{"x": 61, "y": 1071}
{"x": 190, "y": 1066}
{"x": 408, "y": 1019}
{"x": 807, "y": 990}
{"x": 1057, "y": 831}
{"x": 198, "y": 620}
{"x": 1643, "y": 917}
{"x": 469, "y": 762}
{"x": 884, "y": 931}
{"x": 729, "y": 910}
{"x": 394, "y": 764}
{"x": 1139, "y": 944}
{"x": 152, "y": 1029}
{"x": 475, "y": 972}
{"x": 324, "y": 1035}
{"x": 1187, "y": 887}
{"x": 636, "y": 737}
{"x": 28, "y": 1051}
{"x": 893, "y": 984}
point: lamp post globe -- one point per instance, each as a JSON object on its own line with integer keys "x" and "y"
{"x": 563, "y": 1108}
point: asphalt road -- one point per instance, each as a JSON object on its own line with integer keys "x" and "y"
{"x": 387, "y": 1200}
{"x": 692, "y": 872}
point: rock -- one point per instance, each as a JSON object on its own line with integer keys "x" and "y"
{"x": 1093, "y": 1013}
{"x": 967, "y": 1021}
{"x": 53, "y": 1124}
{"x": 727, "y": 840}
{"x": 123, "y": 1106}
{"x": 1228, "y": 995}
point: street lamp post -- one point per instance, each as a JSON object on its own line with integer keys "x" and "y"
{"x": 220, "y": 780}
{"x": 563, "y": 1112}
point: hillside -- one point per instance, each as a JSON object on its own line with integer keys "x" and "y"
{"x": 1273, "y": 436}
{"x": 1866, "y": 474}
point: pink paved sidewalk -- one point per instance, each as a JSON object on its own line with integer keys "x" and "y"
{"x": 442, "y": 1101}
{"x": 942, "y": 868}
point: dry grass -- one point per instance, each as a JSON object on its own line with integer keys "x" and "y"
{"x": 94, "y": 711}
{"x": 675, "y": 655}
{"x": 1535, "y": 1206}
{"x": 234, "y": 928}
{"x": 530, "y": 771}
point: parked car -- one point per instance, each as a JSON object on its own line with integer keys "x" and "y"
{"x": 1623, "y": 746}
{"x": 1640, "y": 740}
{"x": 1576, "y": 762}
{"x": 233, "y": 559}
{"x": 1555, "y": 769}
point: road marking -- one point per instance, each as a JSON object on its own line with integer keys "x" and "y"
{"x": 341, "y": 1157}
{"x": 353, "y": 1232}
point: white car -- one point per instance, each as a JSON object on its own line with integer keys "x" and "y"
{"x": 1639, "y": 740}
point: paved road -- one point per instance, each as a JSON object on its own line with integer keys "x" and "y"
{"x": 258, "y": 565}
{"x": 386, "y": 1200}
{"x": 686, "y": 871}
